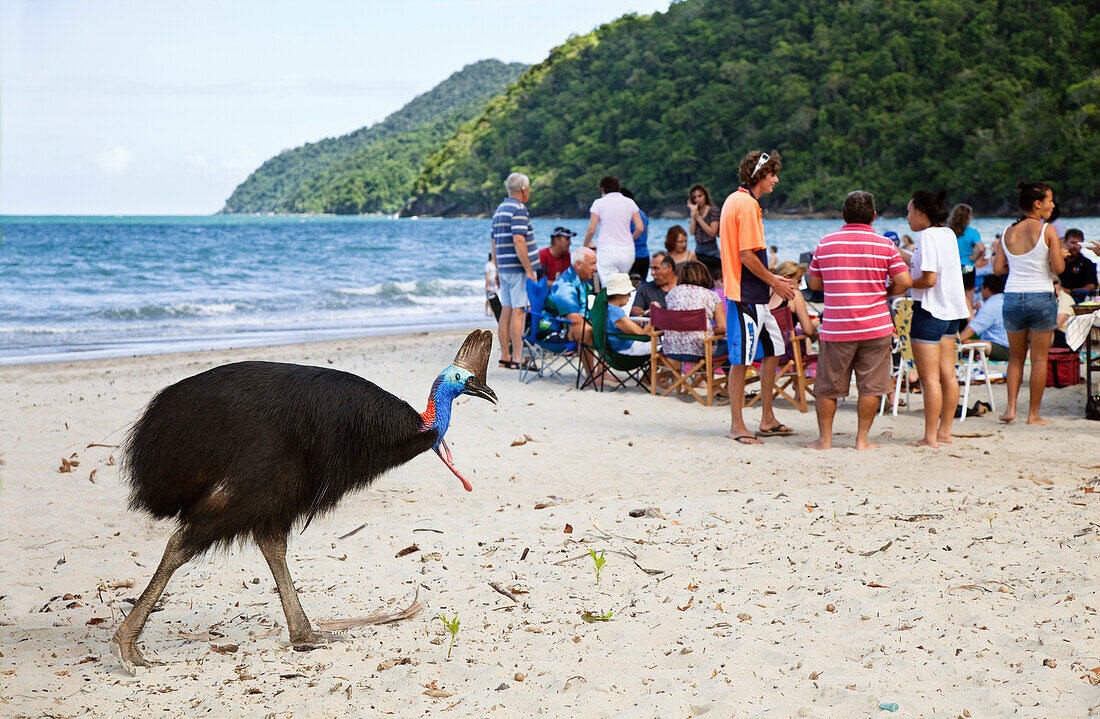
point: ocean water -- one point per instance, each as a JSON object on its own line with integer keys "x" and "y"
{"x": 84, "y": 287}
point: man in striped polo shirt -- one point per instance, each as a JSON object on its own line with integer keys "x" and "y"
{"x": 516, "y": 258}
{"x": 858, "y": 269}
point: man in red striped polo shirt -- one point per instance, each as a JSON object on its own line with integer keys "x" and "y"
{"x": 858, "y": 269}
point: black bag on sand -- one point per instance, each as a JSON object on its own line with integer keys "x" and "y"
{"x": 1092, "y": 407}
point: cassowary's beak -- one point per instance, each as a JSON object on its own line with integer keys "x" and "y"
{"x": 444, "y": 453}
{"x": 477, "y": 388}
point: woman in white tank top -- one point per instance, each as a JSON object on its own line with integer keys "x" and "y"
{"x": 1030, "y": 253}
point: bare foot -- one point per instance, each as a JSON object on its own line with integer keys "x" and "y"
{"x": 1007, "y": 417}
{"x": 820, "y": 444}
{"x": 866, "y": 445}
{"x": 130, "y": 657}
{"x": 943, "y": 440}
{"x": 316, "y": 638}
{"x": 925, "y": 443}
{"x": 1038, "y": 420}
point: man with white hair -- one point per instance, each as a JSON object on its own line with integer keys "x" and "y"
{"x": 569, "y": 294}
{"x": 516, "y": 257}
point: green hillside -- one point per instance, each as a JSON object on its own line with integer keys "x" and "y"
{"x": 886, "y": 95}
{"x": 372, "y": 169}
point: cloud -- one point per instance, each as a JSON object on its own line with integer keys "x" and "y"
{"x": 114, "y": 160}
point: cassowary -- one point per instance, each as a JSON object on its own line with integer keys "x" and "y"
{"x": 253, "y": 448}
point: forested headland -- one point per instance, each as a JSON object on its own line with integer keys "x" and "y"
{"x": 373, "y": 168}
{"x": 884, "y": 95}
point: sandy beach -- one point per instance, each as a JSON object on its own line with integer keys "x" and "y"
{"x": 767, "y": 582}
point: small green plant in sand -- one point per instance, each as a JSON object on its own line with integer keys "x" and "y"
{"x": 598, "y": 561}
{"x": 591, "y": 617}
{"x": 452, "y": 627}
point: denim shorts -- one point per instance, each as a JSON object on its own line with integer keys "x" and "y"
{"x": 928, "y": 329}
{"x": 1036, "y": 311}
{"x": 513, "y": 289}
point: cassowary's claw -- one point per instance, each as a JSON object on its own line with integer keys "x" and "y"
{"x": 317, "y": 639}
{"x": 131, "y": 658}
{"x": 444, "y": 453}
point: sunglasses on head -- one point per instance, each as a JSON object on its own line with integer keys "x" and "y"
{"x": 764, "y": 157}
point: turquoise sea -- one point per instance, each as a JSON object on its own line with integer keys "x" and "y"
{"x": 83, "y": 287}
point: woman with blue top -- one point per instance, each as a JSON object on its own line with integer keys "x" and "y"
{"x": 939, "y": 308}
{"x": 1031, "y": 255}
{"x": 619, "y": 289}
{"x": 968, "y": 239}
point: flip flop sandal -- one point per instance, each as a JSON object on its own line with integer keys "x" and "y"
{"x": 779, "y": 430}
{"x": 742, "y": 438}
{"x": 504, "y": 364}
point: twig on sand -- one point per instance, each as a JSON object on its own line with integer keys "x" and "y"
{"x": 608, "y": 535}
{"x": 94, "y": 444}
{"x": 650, "y": 571}
{"x": 504, "y": 591}
{"x": 915, "y": 517}
{"x": 883, "y": 548}
{"x": 382, "y": 618}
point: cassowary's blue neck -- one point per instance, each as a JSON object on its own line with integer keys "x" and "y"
{"x": 438, "y": 414}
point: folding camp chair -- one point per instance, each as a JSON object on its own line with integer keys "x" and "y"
{"x": 606, "y": 361}
{"x": 547, "y": 340}
{"x": 903, "y": 349}
{"x": 792, "y": 381}
{"x": 703, "y": 367}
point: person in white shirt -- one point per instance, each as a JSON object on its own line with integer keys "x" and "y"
{"x": 613, "y": 213}
{"x": 939, "y": 309}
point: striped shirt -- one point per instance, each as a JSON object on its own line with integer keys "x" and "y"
{"x": 511, "y": 218}
{"x": 855, "y": 264}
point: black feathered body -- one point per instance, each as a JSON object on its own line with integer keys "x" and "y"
{"x": 250, "y": 449}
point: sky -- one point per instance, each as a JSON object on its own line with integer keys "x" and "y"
{"x": 157, "y": 107}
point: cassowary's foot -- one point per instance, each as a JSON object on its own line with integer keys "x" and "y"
{"x": 130, "y": 657}
{"x": 316, "y": 638}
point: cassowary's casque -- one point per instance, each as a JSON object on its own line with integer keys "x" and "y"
{"x": 252, "y": 448}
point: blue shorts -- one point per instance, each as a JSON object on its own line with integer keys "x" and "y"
{"x": 513, "y": 289}
{"x": 929, "y": 329}
{"x": 751, "y": 333}
{"x": 1036, "y": 311}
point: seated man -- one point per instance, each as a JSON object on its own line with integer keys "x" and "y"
{"x": 555, "y": 258}
{"x": 663, "y": 269}
{"x": 1079, "y": 277}
{"x": 988, "y": 322}
{"x": 569, "y": 294}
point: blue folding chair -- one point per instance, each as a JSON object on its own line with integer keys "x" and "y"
{"x": 546, "y": 340}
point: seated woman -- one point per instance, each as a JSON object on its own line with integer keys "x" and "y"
{"x": 676, "y": 242}
{"x": 619, "y": 289}
{"x": 794, "y": 272}
{"x": 693, "y": 292}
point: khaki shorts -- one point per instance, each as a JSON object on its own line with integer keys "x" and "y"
{"x": 869, "y": 358}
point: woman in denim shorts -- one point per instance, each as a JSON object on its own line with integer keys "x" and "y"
{"x": 939, "y": 309}
{"x": 1030, "y": 253}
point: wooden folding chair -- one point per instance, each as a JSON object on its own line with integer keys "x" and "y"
{"x": 792, "y": 381}
{"x": 702, "y": 373}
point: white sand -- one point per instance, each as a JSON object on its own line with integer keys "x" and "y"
{"x": 756, "y": 543}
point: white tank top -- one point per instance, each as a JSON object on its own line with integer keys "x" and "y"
{"x": 1029, "y": 272}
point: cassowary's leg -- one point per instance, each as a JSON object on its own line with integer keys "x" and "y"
{"x": 123, "y": 644}
{"x": 302, "y": 634}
